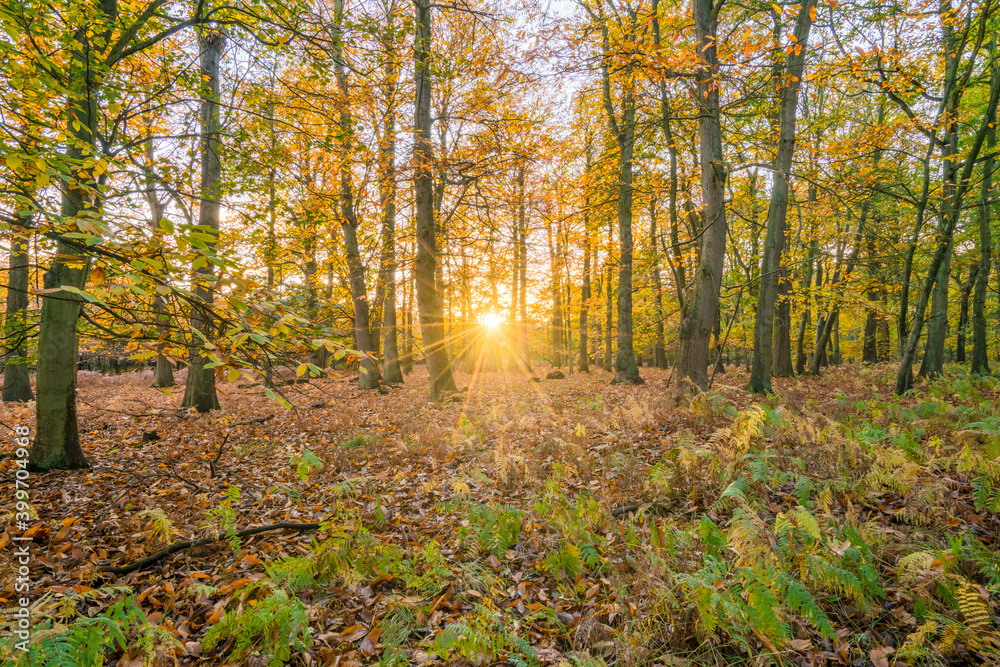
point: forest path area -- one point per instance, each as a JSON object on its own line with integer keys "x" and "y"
{"x": 553, "y": 522}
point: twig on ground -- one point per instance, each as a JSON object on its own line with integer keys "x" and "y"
{"x": 618, "y": 511}
{"x": 121, "y": 412}
{"x": 218, "y": 455}
{"x": 255, "y": 420}
{"x": 189, "y": 544}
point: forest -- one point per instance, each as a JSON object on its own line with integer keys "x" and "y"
{"x": 582, "y": 333}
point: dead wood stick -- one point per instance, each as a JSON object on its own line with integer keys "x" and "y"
{"x": 218, "y": 455}
{"x": 618, "y": 511}
{"x": 255, "y": 420}
{"x": 189, "y": 544}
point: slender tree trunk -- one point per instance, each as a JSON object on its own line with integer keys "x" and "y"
{"x": 408, "y": 339}
{"x": 523, "y": 288}
{"x": 163, "y": 374}
{"x": 200, "y": 390}
{"x": 569, "y": 299}
{"x": 598, "y": 322}
{"x": 515, "y": 281}
{"x": 584, "y": 359}
{"x": 703, "y": 306}
{"x": 869, "y": 347}
{"x": 963, "y": 318}
{"x": 431, "y": 315}
{"x": 16, "y": 379}
{"x": 951, "y": 213}
{"x": 789, "y": 83}
{"x": 806, "y": 321}
{"x": 676, "y": 261}
{"x": 902, "y": 319}
{"x": 271, "y": 249}
{"x": 556, "y": 336}
{"x": 609, "y": 313}
{"x": 623, "y": 130}
{"x": 980, "y": 356}
{"x": 369, "y": 376}
{"x": 937, "y": 324}
{"x": 659, "y": 345}
{"x": 392, "y": 372}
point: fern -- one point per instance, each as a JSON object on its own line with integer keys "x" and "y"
{"x": 276, "y": 626}
{"x": 985, "y": 495}
{"x": 499, "y": 527}
{"x": 481, "y": 637}
{"x": 564, "y": 563}
{"x": 985, "y": 560}
{"x": 85, "y": 642}
{"x": 798, "y": 599}
{"x": 161, "y": 529}
{"x": 295, "y": 572}
{"x": 975, "y": 610}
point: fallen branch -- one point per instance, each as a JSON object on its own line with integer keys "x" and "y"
{"x": 122, "y": 412}
{"x": 190, "y": 544}
{"x": 618, "y": 511}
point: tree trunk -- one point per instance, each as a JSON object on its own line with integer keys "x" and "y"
{"x": 980, "y": 356}
{"x": 623, "y": 130}
{"x": 555, "y": 294}
{"x": 764, "y": 336}
{"x": 963, "y": 318}
{"x": 523, "y": 288}
{"x": 598, "y": 322}
{"x": 659, "y": 345}
{"x": 782, "y": 360}
{"x": 703, "y": 306}
{"x": 200, "y": 390}
{"x": 584, "y": 358}
{"x": 393, "y": 373}
{"x": 515, "y": 274}
{"x": 431, "y": 315}
{"x": 16, "y": 380}
{"x": 57, "y": 437}
{"x": 369, "y": 373}
{"x": 950, "y": 214}
{"x": 163, "y": 374}
{"x": 568, "y": 322}
{"x": 869, "y": 346}
{"x": 806, "y": 321}
{"x": 609, "y": 313}
{"x": 902, "y": 319}
{"x": 408, "y": 326}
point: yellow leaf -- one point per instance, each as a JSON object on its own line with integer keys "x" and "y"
{"x": 776, "y": 8}
{"x": 301, "y": 370}
{"x": 97, "y": 276}
{"x": 812, "y": 13}
{"x": 14, "y": 162}
{"x": 233, "y": 376}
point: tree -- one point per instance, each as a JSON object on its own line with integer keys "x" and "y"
{"x": 623, "y": 130}
{"x": 703, "y": 305}
{"x": 370, "y": 377}
{"x": 980, "y": 356}
{"x": 788, "y": 82}
{"x": 16, "y": 381}
{"x": 388, "y": 189}
{"x": 426, "y": 263}
{"x": 200, "y": 390}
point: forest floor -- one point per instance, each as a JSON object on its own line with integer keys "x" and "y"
{"x": 562, "y": 522}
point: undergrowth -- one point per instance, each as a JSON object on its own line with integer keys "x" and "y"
{"x": 764, "y": 533}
